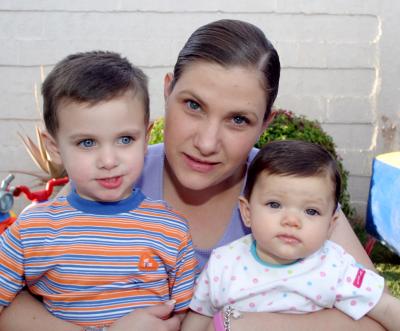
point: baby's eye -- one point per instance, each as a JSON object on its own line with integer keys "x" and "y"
{"x": 240, "y": 120}
{"x": 125, "y": 140}
{"x": 192, "y": 105}
{"x": 87, "y": 143}
{"x": 312, "y": 212}
{"x": 274, "y": 204}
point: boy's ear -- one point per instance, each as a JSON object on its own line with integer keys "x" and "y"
{"x": 167, "y": 84}
{"x": 51, "y": 147}
{"x": 245, "y": 211}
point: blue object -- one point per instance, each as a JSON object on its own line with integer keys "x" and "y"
{"x": 383, "y": 212}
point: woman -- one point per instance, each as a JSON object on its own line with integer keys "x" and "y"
{"x": 217, "y": 103}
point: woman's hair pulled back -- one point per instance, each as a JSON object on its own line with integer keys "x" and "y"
{"x": 233, "y": 43}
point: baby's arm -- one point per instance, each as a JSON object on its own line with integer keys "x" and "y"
{"x": 387, "y": 312}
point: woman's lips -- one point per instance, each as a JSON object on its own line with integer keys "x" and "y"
{"x": 110, "y": 183}
{"x": 199, "y": 165}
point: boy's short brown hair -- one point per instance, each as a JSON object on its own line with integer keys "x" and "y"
{"x": 91, "y": 77}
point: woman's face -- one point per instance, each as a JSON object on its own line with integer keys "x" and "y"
{"x": 214, "y": 115}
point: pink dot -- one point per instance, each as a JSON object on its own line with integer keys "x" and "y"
{"x": 370, "y": 304}
{"x": 238, "y": 257}
{"x": 323, "y": 257}
{"x": 216, "y": 279}
{"x": 270, "y": 303}
{"x": 231, "y": 301}
{"x": 332, "y": 288}
{"x": 255, "y": 280}
{"x": 252, "y": 304}
{"x": 318, "y": 297}
{"x": 233, "y": 278}
{"x": 322, "y": 274}
{"x": 218, "y": 256}
{"x": 338, "y": 297}
{"x": 199, "y": 309}
{"x": 353, "y": 302}
{"x": 284, "y": 279}
{"x": 226, "y": 267}
{"x": 348, "y": 279}
{"x": 206, "y": 281}
{"x": 266, "y": 270}
{"x": 369, "y": 289}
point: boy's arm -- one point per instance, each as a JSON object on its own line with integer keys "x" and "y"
{"x": 387, "y": 312}
{"x": 26, "y": 313}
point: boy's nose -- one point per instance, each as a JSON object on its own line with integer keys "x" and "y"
{"x": 107, "y": 159}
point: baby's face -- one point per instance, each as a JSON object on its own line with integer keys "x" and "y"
{"x": 290, "y": 217}
{"x": 102, "y": 146}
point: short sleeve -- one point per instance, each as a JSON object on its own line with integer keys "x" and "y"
{"x": 201, "y": 301}
{"x": 358, "y": 289}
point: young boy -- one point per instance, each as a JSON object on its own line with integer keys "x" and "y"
{"x": 287, "y": 264}
{"x": 104, "y": 249}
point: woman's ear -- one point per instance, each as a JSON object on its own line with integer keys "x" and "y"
{"x": 245, "y": 211}
{"x": 167, "y": 84}
{"x": 52, "y": 147}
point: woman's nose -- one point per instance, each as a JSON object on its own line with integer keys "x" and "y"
{"x": 207, "y": 138}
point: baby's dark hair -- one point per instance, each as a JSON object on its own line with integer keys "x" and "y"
{"x": 91, "y": 77}
{"x": 293, "y": 158}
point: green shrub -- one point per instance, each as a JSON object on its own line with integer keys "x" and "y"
{"x": 286, "y": 125}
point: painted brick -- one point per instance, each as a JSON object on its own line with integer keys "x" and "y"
{"x": 350, "y": 137}
{"x": 350, "y": 110}
{"x": 328, "y": 83}
{"x": 310, "y": 106}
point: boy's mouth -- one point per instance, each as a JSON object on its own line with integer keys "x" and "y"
{"x": 111, "y": 182}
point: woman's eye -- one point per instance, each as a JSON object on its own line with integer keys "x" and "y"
{"x": 125, "y": 140}
{"x": 312, "y": 212}
{"x": 192, "y": 105}
{"x": 274, "y": 205}
{"x": 87, "y": 143}
{"x": 240, "y": 120}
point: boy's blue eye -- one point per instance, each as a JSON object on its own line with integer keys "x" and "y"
{"x": 87, "y": 143}
{"x": 125, "y": 140}
{"x": 312, "y": 212}
{"x": 274, "y": 204}
{"x": 193, "y": 105}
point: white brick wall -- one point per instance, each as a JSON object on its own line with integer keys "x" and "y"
{"x": 340, "y": 60}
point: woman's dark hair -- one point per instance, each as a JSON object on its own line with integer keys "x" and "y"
{"x": 293, "y": 158}
{"x": 233, "y": 43}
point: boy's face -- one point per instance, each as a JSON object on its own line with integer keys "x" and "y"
{"x": 102, "y": 146}
{"x": 290, "y": 217}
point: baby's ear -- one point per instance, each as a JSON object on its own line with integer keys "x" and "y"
{"x": 51, "y": 147}
{"x": 245, "y": 211}
{"x": 332, "y": 224}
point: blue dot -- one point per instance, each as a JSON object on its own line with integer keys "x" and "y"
{"x": 309, "y": 283}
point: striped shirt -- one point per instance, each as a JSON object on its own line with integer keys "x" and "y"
{"x": 95, "y": 262}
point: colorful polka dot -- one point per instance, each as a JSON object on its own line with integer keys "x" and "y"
{"x": 353, "y": 302}
{"x": 252, "y": 304}
{"x": 255, "y": 280}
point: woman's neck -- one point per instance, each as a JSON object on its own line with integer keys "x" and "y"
{"x": 208, "y": 211}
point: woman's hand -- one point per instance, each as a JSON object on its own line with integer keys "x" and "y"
{"x": 151, "y": 318}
